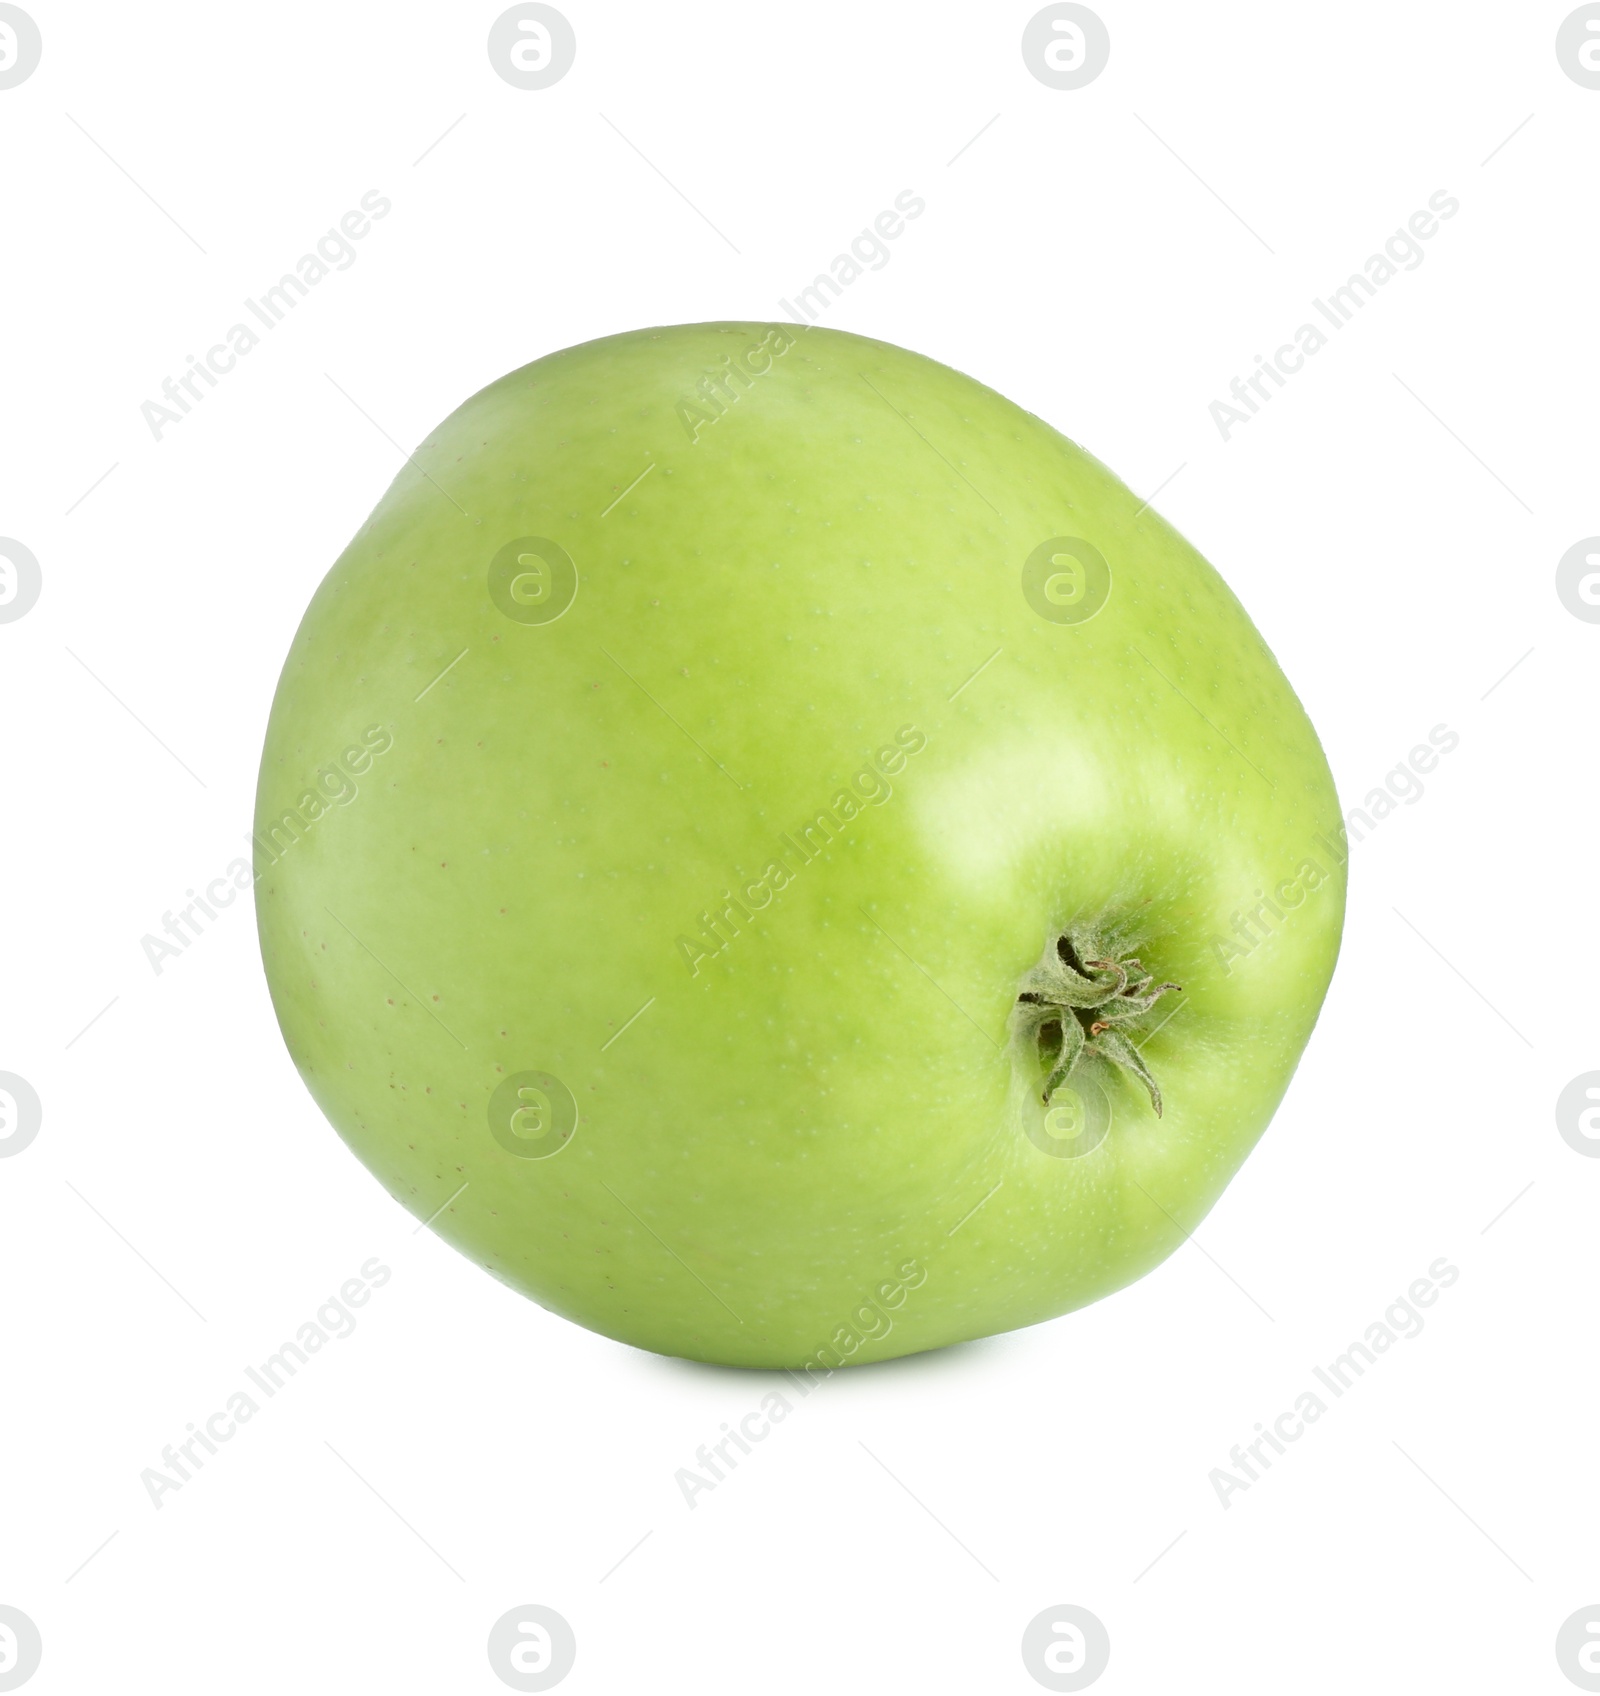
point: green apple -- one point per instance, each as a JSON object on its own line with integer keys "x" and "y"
{"x": 782, "y": 858}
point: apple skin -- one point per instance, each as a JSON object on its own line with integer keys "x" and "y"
{"x": 816, "y": 1144}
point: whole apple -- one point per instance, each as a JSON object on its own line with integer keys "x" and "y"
{"x": 782, "y": 858}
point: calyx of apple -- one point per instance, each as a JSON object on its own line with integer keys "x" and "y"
{"x": 1081, "y": 1001}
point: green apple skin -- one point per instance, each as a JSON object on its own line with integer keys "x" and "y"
{"x": 815, "y": 1145}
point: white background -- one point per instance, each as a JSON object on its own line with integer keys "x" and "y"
{"x": 1108, "y": 257}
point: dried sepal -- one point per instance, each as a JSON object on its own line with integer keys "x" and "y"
{"x": 1081, "y": 1001}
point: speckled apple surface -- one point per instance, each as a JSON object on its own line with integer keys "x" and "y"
{"x": 697, "y": 745}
